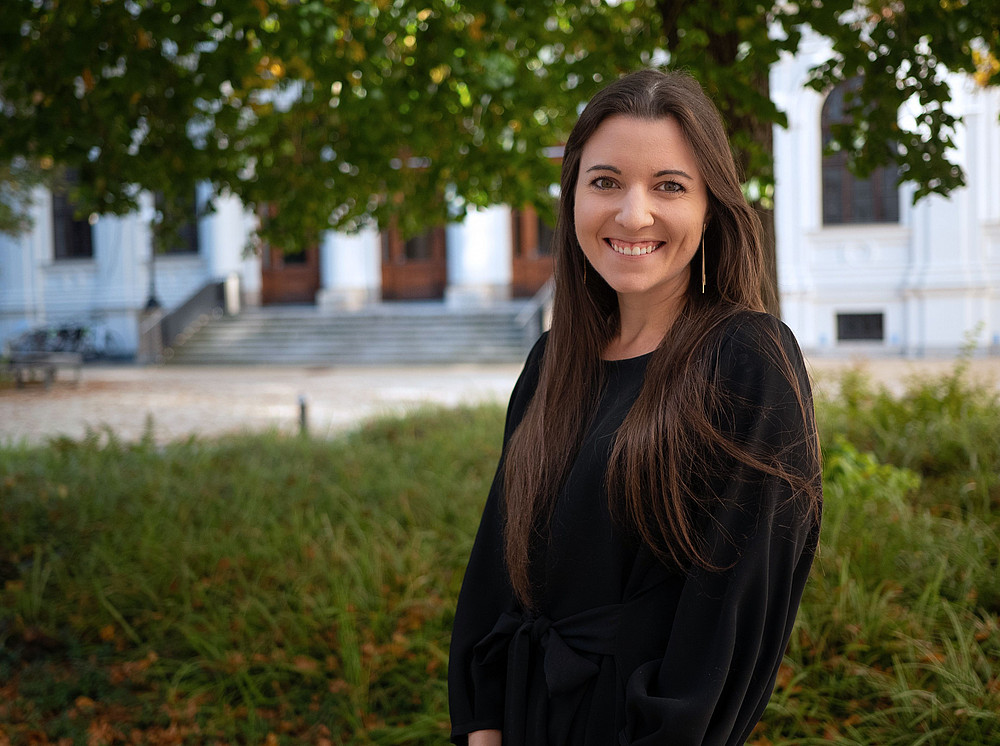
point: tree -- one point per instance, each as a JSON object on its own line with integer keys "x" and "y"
{"x": 330, "y": 113}
{"x": 409, "y": 112}
{"x": 18, "y": 180}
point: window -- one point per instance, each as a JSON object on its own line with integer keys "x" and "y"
{"x": 184, "y": 238}
{"x": 419, "y": 248}
{"x": 846, "y": 198}
{"x": 860, "y": 327}
{"x": 428, "y": 246}
{"x": 72, "y": 237}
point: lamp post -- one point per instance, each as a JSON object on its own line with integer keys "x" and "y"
{"x": 152, "y": 303}
{"x": 150, "y": 330}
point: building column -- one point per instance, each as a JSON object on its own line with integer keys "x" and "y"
{"x": 350, "y": 270}
{"x": 947, "y": 290}
{"x": 479, "y": 257}
{"x": 227, "y": 231}
{"x": 797, "y": 194}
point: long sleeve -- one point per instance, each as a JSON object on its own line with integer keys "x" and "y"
{"x": 732, "y": 625}
{"x": 476, "y": 693}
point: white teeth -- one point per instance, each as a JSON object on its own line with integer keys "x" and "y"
{"x": 635, "y": 249}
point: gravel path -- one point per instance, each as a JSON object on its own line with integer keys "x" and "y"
{"x": 212, "y": 400}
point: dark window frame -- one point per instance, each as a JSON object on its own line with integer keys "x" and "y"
{"x": 861, "y": 327}
{"x": 72, "y": 237}
{"x": 847, "y": 199}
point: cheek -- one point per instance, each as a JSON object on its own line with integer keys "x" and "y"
{"x": 584, "y": 214}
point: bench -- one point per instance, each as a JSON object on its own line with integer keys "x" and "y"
{"x": 30, "y": 366}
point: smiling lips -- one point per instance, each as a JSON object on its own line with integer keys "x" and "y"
{"x": 628, "y": 248}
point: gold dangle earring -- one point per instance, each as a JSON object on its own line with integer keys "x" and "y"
{"x": 703, "y": 258}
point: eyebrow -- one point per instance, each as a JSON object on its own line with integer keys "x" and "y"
{"x": 665, "y": 172}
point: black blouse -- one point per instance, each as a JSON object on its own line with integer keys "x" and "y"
{"x": 624, "y": 649}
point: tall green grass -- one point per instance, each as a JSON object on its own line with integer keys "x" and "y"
{"x": 241, "y": 589}
{"x": 274, "y": 589}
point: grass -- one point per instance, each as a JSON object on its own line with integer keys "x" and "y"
{"x": 276, "y": 589}
{"x": 239, "y": 590}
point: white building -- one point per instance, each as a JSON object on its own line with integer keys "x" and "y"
{"x": 97, "y": 273}
{"x": 859, "y": 266}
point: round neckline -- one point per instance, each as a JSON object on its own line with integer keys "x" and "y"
{"x": 643, "y": 356}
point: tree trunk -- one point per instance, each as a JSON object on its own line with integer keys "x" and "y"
{"x": 760, "y": 131}
{"x": 722, "y": 50}
{"x": 769, "y": 287}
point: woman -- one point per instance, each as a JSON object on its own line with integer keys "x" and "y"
{"x": 646, "y": 540}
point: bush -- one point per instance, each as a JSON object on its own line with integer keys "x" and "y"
{"x": 946, "y": 429}
{"x": 898, "y": 636}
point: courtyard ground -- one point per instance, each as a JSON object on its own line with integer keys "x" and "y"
{"x": 206, "y": 401}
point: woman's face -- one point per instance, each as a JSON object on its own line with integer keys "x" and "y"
{"x": 639, "y": 207}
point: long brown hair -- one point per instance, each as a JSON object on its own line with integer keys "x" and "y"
{"x": 662, "y": 446}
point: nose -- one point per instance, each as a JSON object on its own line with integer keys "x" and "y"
{"x": 633, "y": 210}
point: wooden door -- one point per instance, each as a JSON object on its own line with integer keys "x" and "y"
{"x": 532, "y": 261}
{"x": 289, "y": 278}
{"x": 415, "y": 269}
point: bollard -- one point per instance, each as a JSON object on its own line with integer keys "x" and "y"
{"x": 303, "y": 424}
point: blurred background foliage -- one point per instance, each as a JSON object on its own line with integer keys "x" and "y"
{"x": 337, "y": 113}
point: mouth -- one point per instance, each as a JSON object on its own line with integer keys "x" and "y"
{"x": 633, "y": 248}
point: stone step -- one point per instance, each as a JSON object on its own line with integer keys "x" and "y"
{"x": 418, "y": 334}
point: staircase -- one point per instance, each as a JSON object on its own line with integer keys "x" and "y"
{"x": 387, "y": 334}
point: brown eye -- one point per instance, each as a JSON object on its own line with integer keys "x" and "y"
{"x": 671, "y": 186}
{"x": 603, "y": 182}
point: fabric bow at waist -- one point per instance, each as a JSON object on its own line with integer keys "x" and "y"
{"x": 566, "y": 670}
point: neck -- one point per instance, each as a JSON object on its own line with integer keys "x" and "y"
{"x": 642, "y": 328}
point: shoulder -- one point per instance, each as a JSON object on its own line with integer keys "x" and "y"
{"x": 533, "y": 365}
{"x": 757, "y": 347}
{"x": 537, "y": 350}
{"x": 761, "y": 381}
{"x": 750, "y": 332}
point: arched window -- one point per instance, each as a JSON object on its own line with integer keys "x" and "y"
{"x": 846, "y": 198}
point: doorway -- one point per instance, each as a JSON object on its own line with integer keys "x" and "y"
{"x": 416, "y": 268}
{"x": 289, "y": 278}
{"x": 532, "y": 260}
